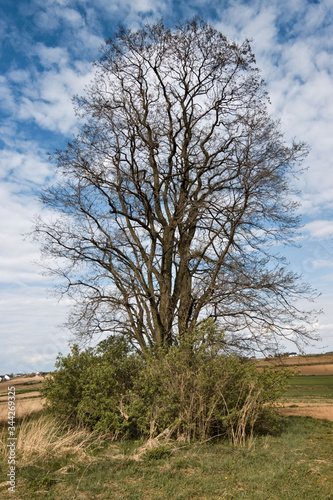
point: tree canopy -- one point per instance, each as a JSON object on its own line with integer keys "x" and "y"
{"x": 175, "y": 194}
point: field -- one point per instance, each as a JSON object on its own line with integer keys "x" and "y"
{"x": 27, "y": 396}
{"x": 52, "y": 465}
{"x": 54, "y": 462}
{"x": 321, "y": 364}
{"x": 310, "y": 393}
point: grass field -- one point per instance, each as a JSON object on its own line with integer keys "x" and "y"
{"x": 312, "y": 386}
{"x": 53, "y": 463}
{"x": 293, "y": 465}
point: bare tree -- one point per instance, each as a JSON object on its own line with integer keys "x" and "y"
{"x": 175, "y": 193}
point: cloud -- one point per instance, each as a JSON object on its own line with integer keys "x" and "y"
{"x": 30, "y": 323}
{"x": 24, "y": 170}
{"x": 318, "y": 264}
{"x": 45, "y": 97}
{"x": 7, "y": 101}
{"x": 17, "y": 255}
{"x": 21, "y": 174}
{"x": 293, "y": 45}
{"x": 50, "y": 56}
{"x": 319, "y": 228}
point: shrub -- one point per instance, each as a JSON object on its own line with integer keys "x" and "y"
{"x": 197, "y": 396}
{"x": 90, "y": 387}
{"x": 192, "y": 391}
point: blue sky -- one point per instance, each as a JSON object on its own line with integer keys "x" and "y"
{"x": 46, "y": 50}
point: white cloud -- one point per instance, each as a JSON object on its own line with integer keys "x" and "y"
{"x": 17, "y": 255}
{"x": 21, "y": 169}
{"x": 317, "y": 264}
{"x": 320, "y": 228}
{"x": 20, "y": 175}
{"x": 52, "y": 55}
{"x": 46, "y": 97}
{"x": 7, "y": 101}
{"x": 30, "y": 323}
{"x": 293, "y": 45}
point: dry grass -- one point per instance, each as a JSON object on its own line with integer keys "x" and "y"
{"x": 23, "y": 408}
{"x": 43, "y": 438}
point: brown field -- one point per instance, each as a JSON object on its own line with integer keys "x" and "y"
{"x": 32, "y": 394}
{"x": 306, "y": 365}
{"x": 20, "y": 383}
{"x": 316, "y": 369}
{"x": 315, "y": 410}
{"x": 26, "y": 403}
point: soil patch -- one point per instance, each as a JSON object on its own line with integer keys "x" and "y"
{"x": 314, "y": 410}
{"x": 316, "y": 369}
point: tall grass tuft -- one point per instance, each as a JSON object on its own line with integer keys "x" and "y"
{"x": 44, "y": 437}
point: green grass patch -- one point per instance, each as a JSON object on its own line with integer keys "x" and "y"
{"x": 294, "y": 465}
{"x": 310, "y": 386}
{"x": 312, "y": 381}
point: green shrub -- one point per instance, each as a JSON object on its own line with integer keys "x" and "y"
{"x": 91, "y": 386}
{"x": 193, "y": 390}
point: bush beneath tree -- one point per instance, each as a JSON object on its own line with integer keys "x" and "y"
{"x": 190, "y": 392}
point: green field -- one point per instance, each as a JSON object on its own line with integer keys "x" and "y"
{"x": 310, "y": 386}
{"x": 297, "y": 464}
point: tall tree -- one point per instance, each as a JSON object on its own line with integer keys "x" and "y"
{"x": 174, "y": 194}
